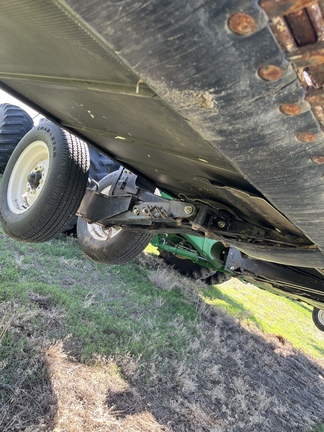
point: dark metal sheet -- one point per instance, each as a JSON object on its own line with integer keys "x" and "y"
{"x": 168, "y": 89}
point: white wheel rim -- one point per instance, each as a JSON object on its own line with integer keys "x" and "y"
{"x": 23, "y": 193}
{"x": 320, "y": 316}
{"x": 97, "y": 232}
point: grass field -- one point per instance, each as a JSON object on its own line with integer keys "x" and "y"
{"x": 88, "y": 347}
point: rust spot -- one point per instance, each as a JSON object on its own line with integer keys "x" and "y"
{"x": 308, "y": 56}
{"x": 270, "y": 73}
{"x": 319, "y": 114}
{"x": 306, "y": 137}
{"x": 316, "y": 97}
{"x": 242, "y": 24}
{"x": 315, "y": 14}
{"x": 318, "y": 160}
{"x": 290, "y": 109}
{"x": 282, "y": 33}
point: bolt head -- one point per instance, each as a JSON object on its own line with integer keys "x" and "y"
{"x": 221, "y": 224}
{"x": 319, "y": 160}
{"x": 242, "y": 24}
{"x": 270, "y": 73}
{"x": 188, "y": 209}
{"x": 306, "y": 137}
{"x": 290, "y": 109}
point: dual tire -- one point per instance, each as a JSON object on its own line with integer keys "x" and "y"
{"x": 43, "y": 183}
{"x": 14, "y": 124}
{"x": 42, "y": 187}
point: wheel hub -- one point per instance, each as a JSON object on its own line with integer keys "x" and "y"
{"x": 34, "y": 179}
{"x": 28, "y": 177}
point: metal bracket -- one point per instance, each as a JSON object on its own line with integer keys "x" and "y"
{"x": 96, "y": 206}
{"x": 128, "y": 209}
{"x": 308, "y": 282}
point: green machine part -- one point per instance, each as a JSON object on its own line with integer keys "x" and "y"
{"x": 200, "y": 250}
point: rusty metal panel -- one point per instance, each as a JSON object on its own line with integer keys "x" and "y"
{"x": 284, "y": 7}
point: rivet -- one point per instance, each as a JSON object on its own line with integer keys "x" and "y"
{"x": 270, "y": 73}
{"x": 306, "y": 137}
{"x": 318, "y": 160}
{"x": 242, "y": 24}
{"x": 290, "y": 109}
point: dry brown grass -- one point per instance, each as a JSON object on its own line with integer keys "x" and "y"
{"x": 94, "y": 398}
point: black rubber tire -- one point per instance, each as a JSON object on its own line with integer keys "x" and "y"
{"x": 193, "y": 270}
{"x": 184, "y": 266}
{"x": 61, "y": 193}
{"x": 122, "y": 248}
{"x": 100, "y": 164}
{"x": 14, "y": 124}
{"x": 318, "y": 318}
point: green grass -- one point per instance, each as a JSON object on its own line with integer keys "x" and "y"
{"x": 271, "y": 313}
{"x": 101, "y": 320}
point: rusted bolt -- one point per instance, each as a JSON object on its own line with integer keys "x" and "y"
{"x": 318, "y": 160}
{"x": 290, "y": 109}
{"x": 221, "y": 224}
{"x": 270, "y": 73}
{"x": 188, "y": 209}
{"x": 242, "y": 24}
{"x": 306, "y": 137}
